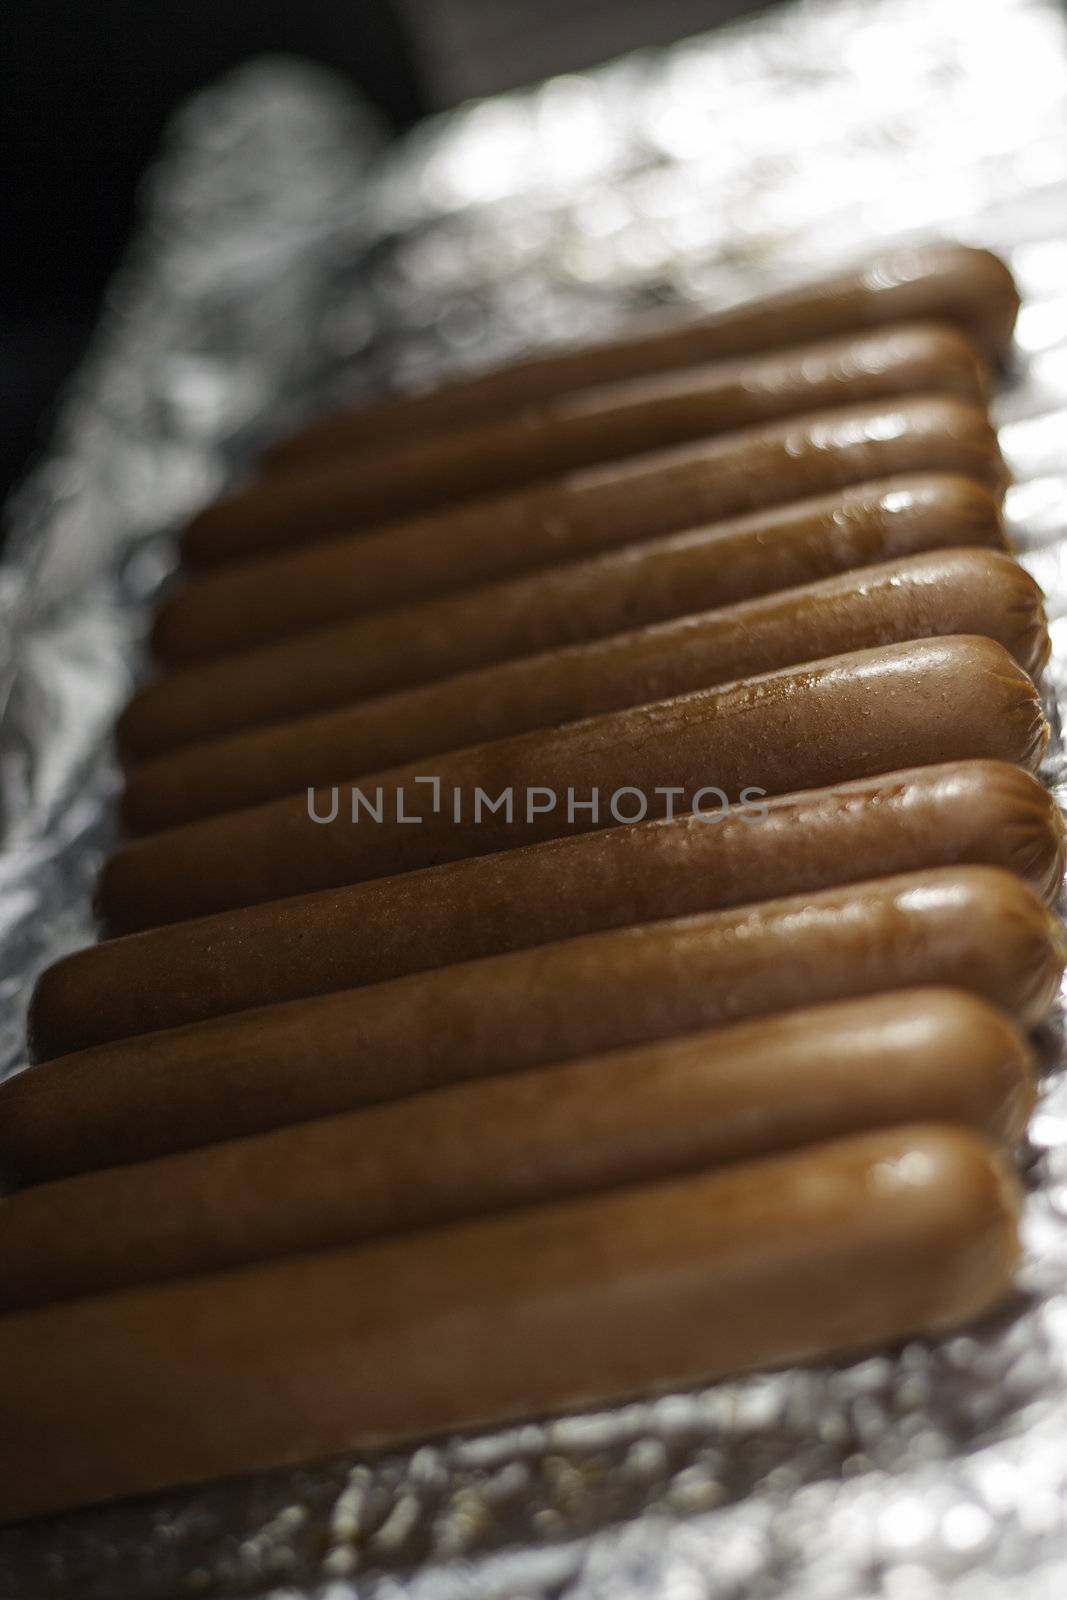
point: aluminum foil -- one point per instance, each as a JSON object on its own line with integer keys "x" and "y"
{"x": 285, "y": 259}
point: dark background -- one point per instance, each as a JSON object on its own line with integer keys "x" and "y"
{"x": 88, "y": 85}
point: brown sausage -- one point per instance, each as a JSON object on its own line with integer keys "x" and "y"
{"x": 576, "y": 515}
{"x": 831, "y": 1248}
{"x": 974, "y": 928}
{"x": 941, "y": 592}
{"x": 950, "y": 282}
{"x": 604, "y": 424}
{"x": 972, "y": 812}
{"x": 926, "y": 1055}
{"x": 852, "y": 716}
{"x": 792, "y": 1256}
{"x": 721, "y": 565}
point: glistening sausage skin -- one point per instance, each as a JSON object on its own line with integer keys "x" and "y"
{"x": 724, "y": 564}
{"x": 954, "y": 283}
{"x": 970, "y": 812}
{"x": 573, "y": 516}
{"x": 596, "y": 425}
{"x": 849, "y": 717}
{"x": 975, "y": 928}
{"x": 942, "y": 592}
{"x": 728, "y": 1094}
{"x": 835, "y": 1247}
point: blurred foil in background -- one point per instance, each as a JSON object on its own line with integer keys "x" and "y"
{"x": 286, "y": 262}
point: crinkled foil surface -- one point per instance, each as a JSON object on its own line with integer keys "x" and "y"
{"x": 285, "y": 259}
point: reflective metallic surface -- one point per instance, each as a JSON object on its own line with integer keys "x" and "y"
{"x": 280, "y": 259}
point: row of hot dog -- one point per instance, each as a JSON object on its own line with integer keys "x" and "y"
{"x": 367, "y": 1132}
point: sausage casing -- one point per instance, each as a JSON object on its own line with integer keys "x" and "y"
{"x": 955, "y": 283}
{"x": 729, "y": 1094}
{"x": 849, "y": 717}
{"x": 831, "y": 1248}
{"x": 721, "y": 565}
{"x": 573, "y": 516}
{"x": 596, "y": 425}
{"x": 975, "y": 928}
{"x": 941, "y": 592}
{"x": 967, "y": 813}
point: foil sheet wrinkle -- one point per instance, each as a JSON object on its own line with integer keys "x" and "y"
{"x": 287, "y": 261}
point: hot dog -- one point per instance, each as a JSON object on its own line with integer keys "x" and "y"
{"x": 849, "y": 717}
{"x": 603, "y": 424}
{"x": 942, "y": 592}
{"x": 950, "y": 282}
{"x": 827, "y": 1249}
{"x": 972, "y": 812}
{"x": 728, "y": 1094}
{"x": 975, "y": 928}
{"x": 721, "y": 565}
{"x": 573, "y": 516}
